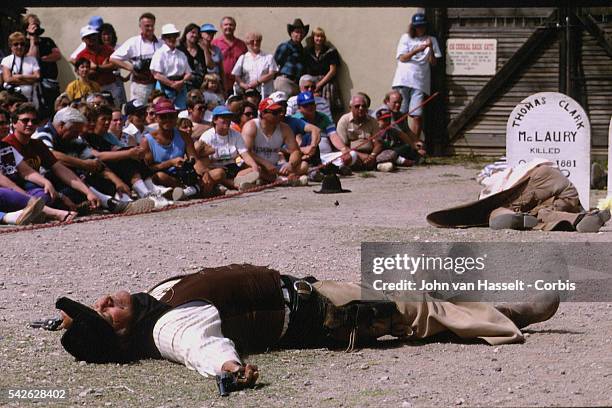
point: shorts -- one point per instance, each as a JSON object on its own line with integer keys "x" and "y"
{"x": 411, "y": 98}
{"x": 231, "y": 170}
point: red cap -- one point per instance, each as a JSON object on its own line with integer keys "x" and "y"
{"x": 164, "y": 106}
{"x": 269, "y": 104}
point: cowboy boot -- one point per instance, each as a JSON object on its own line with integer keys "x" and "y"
{"x": 523, "y": 314}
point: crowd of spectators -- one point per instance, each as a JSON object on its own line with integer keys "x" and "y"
{"x": 206, "y": 114}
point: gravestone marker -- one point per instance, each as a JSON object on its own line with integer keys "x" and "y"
{"x": 552, "y": 126}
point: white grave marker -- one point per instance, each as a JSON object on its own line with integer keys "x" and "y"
{"x": 552, "y": 126}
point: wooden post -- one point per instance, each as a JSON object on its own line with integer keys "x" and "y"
{"x": 436, "y": 114}
{"x": 562, "y": 24}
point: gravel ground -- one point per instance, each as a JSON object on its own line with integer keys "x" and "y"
{"x": 566, "y": 361}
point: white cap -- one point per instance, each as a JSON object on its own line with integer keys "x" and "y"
{"x": 169, "y": 29}
{"x": 278, "y": 96}
{"x": 69, "y": 115}
{"x": 88, "y": 30}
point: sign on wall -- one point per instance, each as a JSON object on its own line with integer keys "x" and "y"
{"x": 552, "y": 126}
{"x": 471, "y": 56}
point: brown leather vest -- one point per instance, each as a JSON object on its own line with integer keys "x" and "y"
{"x": 248, "y": 297}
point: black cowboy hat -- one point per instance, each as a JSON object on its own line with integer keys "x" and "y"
{"x": 331, "y": 185}
{"x": 297, "y": 23}
{"x": 90, "y": 338}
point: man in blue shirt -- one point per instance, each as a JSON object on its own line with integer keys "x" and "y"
{"x": 291, "y": 59}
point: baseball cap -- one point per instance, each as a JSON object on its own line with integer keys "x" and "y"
{"x": 221, "y": 110}
{"x": 269, "y": 104}
{"x": 134, "y": 106}
{"x": 207, "y": 28}
{"x": 88, "y": 30}
{"x": 419, "y": 20}
{"x": 383, "y": 113}
{"x": 69, "y": 115}
{"x": 305, "y": 98}
{"x": 89, "y": 338}
{"x": 279, "y": 96}
{"x": 164, "y": 106}
{"x": 96, "y": 22}
{"x": 168, "y": 29}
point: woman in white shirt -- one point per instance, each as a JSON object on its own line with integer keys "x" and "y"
{"x": 416, "y": 51}
{"x": 170, "y": 68}
{"x": 255, "y": 69}
{"x": 223, "y": 145}
{"x": 20, "y": 72}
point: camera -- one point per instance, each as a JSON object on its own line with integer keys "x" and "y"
{"x": 142, "y": 65}
{"x": 38, "y": 31}
{"x": 12, "y": 88}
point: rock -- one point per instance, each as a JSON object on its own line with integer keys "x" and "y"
{"x": 385, "y": 378}
{"x": 364, "y": 366}
{"x": 307, "y": 383}
{"x": 498, "y": 369}
{"x": 459, "y": 401}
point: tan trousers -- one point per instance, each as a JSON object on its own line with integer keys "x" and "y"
{"x": 418, "y": 320}
{"x": 550, "y": 197}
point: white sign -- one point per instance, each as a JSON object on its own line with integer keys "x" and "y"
{"x": 552, "y": 126}
{"x": 609, "y": 158}
{"x": 471, "y": 56}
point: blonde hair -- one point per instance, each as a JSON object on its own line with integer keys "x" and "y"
{"x": 253, "y": 35}
{"x": 212, "y": 77}
{"x": 16, "y": 36}
{"x": 316, "y": 31}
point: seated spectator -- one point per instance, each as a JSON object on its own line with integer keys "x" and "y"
{"x": 21, "y": 73}
{"x": 10, "y": 100}
{"x": 173, "y": 159}
{"x": 255, "y": 69}
{"x": 212, "y": 91}
{"x": 62, "y": 101}
{"x": 170, "y": 68}
{"x": 235, "y": 103}
{"x": 263, "y": 138}
{"x": 135, "y": 56}
{"x": 222, "y": 146}
{"x": 116, "y": 124}
{"x": 393, "y": 102}
{"x": 368, "y": 102}
{"x": 38, "y": 156}
{"x": 356, "y": 130}
{"x": 248, "y": 112}
{"x": 185, "y": 126}
{"x": 291, "y": 59}
{"x": 231, "y": 48}
{"x": 252, "y": 96}
{"x": 5, "y": 123}
{"x": 322, "y": 61}
{"x": 212, "y": 54}
{"x": 309, "y": 145}
{"x": 47, "y": 54}
{"x": 196, "y": 112}
{"x": 124, "y": 162}
{"x": 308, "y": 84}
{"x": 81, "y": 87}
{"x": 22, "y": 188}
{"x": 188, "y": 44}
{"x": 62, "y": 137}
{"x": 135, "y": 128}
{"x": 98, "y": 54}
{"x": 400, "y": 148}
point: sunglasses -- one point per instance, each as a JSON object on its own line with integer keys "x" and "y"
{"x": 275, "y": 112}
{"x": 20, "y": 44}
{"x": 25, "y": 121}
{"x": 151, "y": 113}
{"x": 249, "y": 114}
{"x": 167, "y": 116}
{"x": 311, "y": 87}
{"x": 360, "y": 106}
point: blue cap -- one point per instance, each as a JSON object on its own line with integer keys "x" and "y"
{"x": 304, "y": 98}
{"x": 419, "y": 20}
{"x": 222, "y": 110}
{"x": 205, "y": 28}
{"x": 96, "y": 22}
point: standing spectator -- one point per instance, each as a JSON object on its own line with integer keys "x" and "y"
{"x": 96, "y": 22}
{"x": 231, "y": 48}
{"x": 291, "y": 59}
{"x": 255, "y": 69}
{"x": 135, "y": 55}
{"x": 188, "y": 44}
{"x": 81, "y": 87}
{"x": 212, "y": 54}
{"x": 21, "y": 73}
{"x": 416, "y": 51}
{"x": 170, "y": 68}
{"x": 47, "y": 54}
{"x": 322, "y": 63}
{"x": 108, "y": 37}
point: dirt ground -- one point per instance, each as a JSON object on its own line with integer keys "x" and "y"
{"x": 566, "y": 361}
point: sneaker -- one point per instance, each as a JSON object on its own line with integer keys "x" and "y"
{"x": 159, "y": 200}
{"x": 246, "y": 181}
{"x": 31, "y": 211}
{"x": 592, "y": 222}
{"x": 385, "y": 167}
{"x": 165, "y": 192}
{"x": 222, "y": 189}
{"x": 139, "y": 206}
{"x": 182, "y": 194}
{"x": 299, "y": 181}
{"x": 517, "y": 221}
